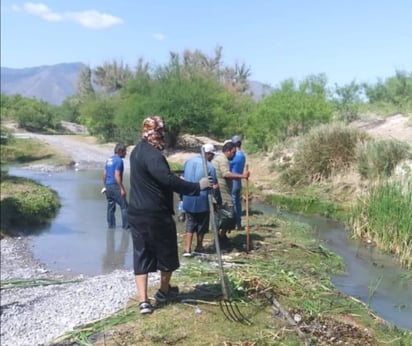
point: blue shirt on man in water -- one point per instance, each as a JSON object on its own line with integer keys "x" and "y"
{"x": 113, "y": 164}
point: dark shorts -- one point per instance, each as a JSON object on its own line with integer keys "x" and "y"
{"x": 154, "y": 243}
{"x": 225, "y": 218}
{"x": 197, "y": 222}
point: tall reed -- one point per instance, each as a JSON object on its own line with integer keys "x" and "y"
{"x": 384, "y": 215}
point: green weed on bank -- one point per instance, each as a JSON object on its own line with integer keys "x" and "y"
{"x": 21, "y": 151}
{"x": 384, "y": 215}
{"x": 25, "y": 202}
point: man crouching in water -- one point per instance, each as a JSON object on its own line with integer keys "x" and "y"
{"x": 151, "y": 212}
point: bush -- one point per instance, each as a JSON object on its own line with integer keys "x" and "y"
{"x": 385, "y": 216}
{"x": 324, "y": 150}
{"x": 25, "y": 202}
{"x": 6, "y": 135}
{"x": 377, "y": 158}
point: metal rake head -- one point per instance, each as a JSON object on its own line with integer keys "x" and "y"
{"x": 232, "y": 312}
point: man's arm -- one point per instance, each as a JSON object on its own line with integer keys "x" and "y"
{"x": 119, "y": 182}
{"x": 230, "y": 175}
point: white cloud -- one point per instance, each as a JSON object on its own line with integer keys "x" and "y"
{"x": 42, "y": 11}
{"x": 91, "y": 19}
{"x": 94, "y": 20}
{"x": 158, "y": 36}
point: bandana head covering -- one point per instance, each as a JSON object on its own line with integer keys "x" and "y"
{"x": 153, "y": 130}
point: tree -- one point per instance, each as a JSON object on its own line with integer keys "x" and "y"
{"x": 291, "y": 109}
{"x": 347, "y": 99}
{"x": 98, "y": 116}
{"x": 396, "y": 90}
{"x": 35, "y": 115}
{"x": 112, "y": 76}
{"x": 84, "y": 83}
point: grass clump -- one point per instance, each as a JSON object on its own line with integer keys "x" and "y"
{"x": 324, "y": 150}
{"x": 25, "y": 202}
{"x": 384, "y": 215}
{"x": 378, "y": 158}
{"x": 20, "y": 151}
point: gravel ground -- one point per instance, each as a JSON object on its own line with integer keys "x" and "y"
{"x": 38, "y": 315}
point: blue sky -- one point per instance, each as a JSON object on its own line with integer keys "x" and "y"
{"x": 360, "y": 40}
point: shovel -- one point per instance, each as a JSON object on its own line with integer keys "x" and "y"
{"x": 229, "y": 309}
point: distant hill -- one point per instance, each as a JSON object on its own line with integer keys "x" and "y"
{"x": 48, "y": 83}
{"x": 55, "y": 83}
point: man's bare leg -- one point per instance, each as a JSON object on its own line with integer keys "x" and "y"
{"x": 141, "y": 286}
{"x": 189, "y": 238}
{"x": 165, "y": 281}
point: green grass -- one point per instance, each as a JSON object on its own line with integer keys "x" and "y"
{"x": 21, "y": 151}
{"x": 384, "y": 215}
{"x": 305, "y": 204}
{"x": 25, "y": 202}
{"x": 378, "y": 158}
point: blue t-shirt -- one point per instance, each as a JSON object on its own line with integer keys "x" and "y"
{"x": 237, "y": 165}
{"x": 113, "y": 164}
{"x": 193, "y": 171}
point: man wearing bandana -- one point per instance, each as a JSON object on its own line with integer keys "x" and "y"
{"x": 151, "y": 209}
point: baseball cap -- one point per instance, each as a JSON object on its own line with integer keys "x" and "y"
{"x": 236, "y": 139}
{"x": 209, "y": 148}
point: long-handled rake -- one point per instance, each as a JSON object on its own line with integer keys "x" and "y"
{"x": 229, "y": 308}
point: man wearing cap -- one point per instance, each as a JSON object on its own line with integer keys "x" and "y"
{"x": 151, "y": 212}
{"x": 225, "y": 178}
{"x": 237, "y": 165}
{"x": 197, "y": 207}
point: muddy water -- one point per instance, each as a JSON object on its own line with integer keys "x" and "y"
{"x": 79, "y": 241}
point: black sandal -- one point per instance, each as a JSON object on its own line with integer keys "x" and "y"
{"x": 145, "y": 308}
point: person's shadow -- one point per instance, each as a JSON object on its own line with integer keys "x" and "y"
{"x": 115, "y": 258}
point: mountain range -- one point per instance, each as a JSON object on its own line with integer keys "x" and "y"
{"x": 55, "y": 83}
{"x": 51, "y": 83}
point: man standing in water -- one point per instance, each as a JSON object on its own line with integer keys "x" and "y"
{"x": 113, "y": 184}
{"x": 151, "y": 212}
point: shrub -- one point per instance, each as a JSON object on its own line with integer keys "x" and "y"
{"x": 25, "y": 202}
{"x": 377, "y": 158}
{"x": 385, "y": 216}
{"x": 324, "y": 150}
{"x": 6, "y": 135}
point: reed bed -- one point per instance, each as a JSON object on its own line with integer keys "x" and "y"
{"x": 384, "y": 215}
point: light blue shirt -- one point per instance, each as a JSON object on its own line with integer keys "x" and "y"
{"x": 193, "y": 171}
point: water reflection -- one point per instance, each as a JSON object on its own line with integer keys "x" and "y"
{"x": 114, "y": 258}
{"x": 77, "y": 240}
